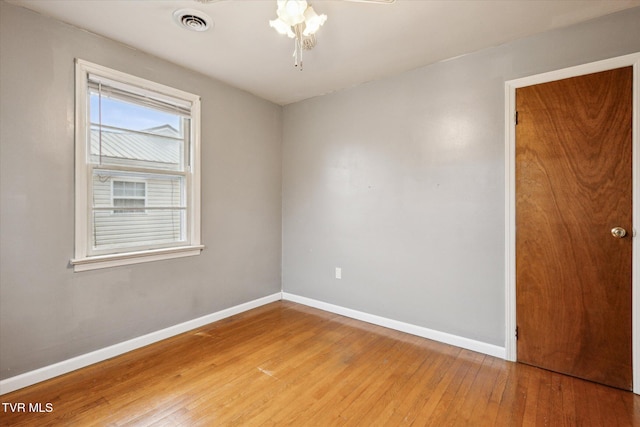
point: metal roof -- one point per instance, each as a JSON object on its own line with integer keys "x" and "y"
{"x": 143, "y": 146}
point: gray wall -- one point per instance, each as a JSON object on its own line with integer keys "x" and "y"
{"x": 48, "y": 313}
{"x": 400, "y": 182}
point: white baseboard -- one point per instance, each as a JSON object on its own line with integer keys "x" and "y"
{"x": 469, "y": 344}
{"x": 29, "y": 378}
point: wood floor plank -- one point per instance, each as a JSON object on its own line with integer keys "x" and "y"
{"x": 390, "y": 393}
{"x": 288, "y": 364}
{"x": 413, "y": 387}
{"x": 424, "y": 381}
{"x": 472, "y": 390}
{"x": 324, "y": 395}
{"x": 442, "y": 395}
{"x": 489, "y": 386}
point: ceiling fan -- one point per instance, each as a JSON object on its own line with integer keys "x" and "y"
{"x": 297, "y": 20}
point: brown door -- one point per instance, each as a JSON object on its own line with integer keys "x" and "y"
{"x": 573, "y": 187}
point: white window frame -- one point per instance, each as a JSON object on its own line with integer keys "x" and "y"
{"x": 84, "y": 259}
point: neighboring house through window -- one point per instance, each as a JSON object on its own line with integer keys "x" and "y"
{"x": 129, "y": 197}
{"x": 137, "y": 170}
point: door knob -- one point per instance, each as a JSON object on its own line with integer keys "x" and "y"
{"x": 618, "y": 232}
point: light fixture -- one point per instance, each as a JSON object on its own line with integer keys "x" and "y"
{"x": 297, "y": 20}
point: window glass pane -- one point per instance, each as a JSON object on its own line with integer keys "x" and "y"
{"x": 134, "y": 205}
{"x": 154, "y": 228}
{"x": 128, "y": 194}
{"x": 137, "y": 209}
{"x": 118, "y": 187}
{"x": 139, "y": 189}
{"x": 117, "y": 113}
{"x": 123, "y": 133}
{"x": 155, "y": 190}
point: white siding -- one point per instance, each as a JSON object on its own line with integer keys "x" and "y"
{"x": 150, "y": 226}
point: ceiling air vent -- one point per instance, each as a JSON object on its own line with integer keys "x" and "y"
{"x": 193, "y": 20}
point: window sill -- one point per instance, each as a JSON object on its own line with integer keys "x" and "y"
{"x": 127, "y": 258}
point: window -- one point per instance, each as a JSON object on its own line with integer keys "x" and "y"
{"x": 137, "y": 170}
{"x": 129, "y": 196}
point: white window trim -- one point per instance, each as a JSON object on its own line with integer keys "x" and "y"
{"x": 82, "y": 261}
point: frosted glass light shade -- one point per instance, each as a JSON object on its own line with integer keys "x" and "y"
{"x": 282, "y": 27}
{"x": 291, "y": 12}
{"x": 313, "y": 21}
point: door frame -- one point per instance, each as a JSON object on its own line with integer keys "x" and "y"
{"x": 510, "y": 196}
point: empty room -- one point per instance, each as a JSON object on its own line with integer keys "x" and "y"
{"x": 340, "y": 212}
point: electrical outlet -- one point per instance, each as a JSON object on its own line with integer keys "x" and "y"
{"x": 338, "y": 273}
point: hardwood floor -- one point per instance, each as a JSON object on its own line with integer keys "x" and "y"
{"x": 288, "y": 364}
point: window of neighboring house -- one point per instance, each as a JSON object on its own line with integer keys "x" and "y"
{"x": 130, "y": 197}
{"x": 137, "y": 152}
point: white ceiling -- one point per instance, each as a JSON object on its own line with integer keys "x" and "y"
{"x": 359, "y": 42}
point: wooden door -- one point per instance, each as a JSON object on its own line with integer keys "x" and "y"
{"x": 573, "y": 186}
